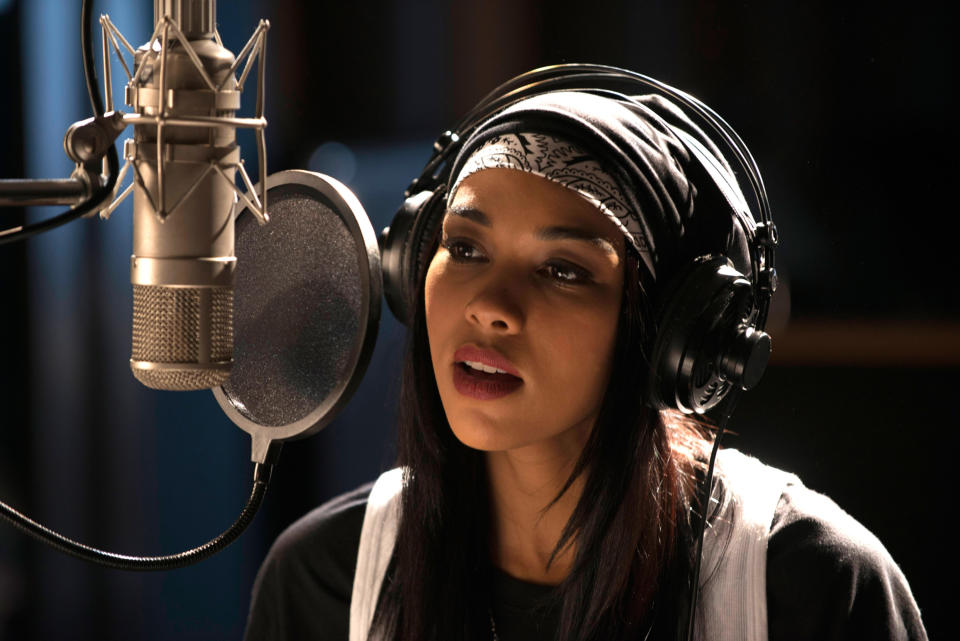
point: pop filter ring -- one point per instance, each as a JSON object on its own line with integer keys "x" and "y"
{"x": 266, "y": 439}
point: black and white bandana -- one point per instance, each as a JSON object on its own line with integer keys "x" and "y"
{"x": 641, "y": 161}
{"x": 566, "y": 164}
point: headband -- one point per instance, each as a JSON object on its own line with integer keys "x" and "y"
{"x": 564, "y": 163}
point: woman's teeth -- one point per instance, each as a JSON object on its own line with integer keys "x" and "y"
{"x": 483, "y": 368}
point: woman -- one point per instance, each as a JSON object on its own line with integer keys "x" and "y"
{"x": 540, "y": 493}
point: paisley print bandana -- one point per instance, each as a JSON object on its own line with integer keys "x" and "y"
{"x": 566, "y": 164}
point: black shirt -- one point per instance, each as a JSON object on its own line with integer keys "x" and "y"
{"x": 828, "y": 578}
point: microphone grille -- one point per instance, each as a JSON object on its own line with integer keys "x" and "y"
{"x": 182, "y": 336}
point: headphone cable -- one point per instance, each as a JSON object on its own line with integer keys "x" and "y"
{"x": 706, "y": 493}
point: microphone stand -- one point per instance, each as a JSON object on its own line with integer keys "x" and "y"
{"x": 90, "y": 143}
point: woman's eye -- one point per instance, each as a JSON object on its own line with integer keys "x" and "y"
{"x": 462, "y": 251}
{"x": 566, "y": 273}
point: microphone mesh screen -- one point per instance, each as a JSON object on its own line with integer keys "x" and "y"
{"x": 181, "y": 380}
{"x": 221, "y": 324}
{"x": 300, "y": 308}
{"x": 168, "y": 330}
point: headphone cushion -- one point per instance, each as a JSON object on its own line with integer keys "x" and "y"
{"x": 407, "y": 246}
{"x": 395, "y": 243}
{"x": 426, "y": 227}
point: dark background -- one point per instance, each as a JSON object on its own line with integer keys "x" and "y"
{"x": 848, "y": 108}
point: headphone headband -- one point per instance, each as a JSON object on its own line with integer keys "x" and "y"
{"x": 619, "y": 84}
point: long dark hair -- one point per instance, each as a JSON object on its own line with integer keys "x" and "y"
{"x": 631, "y": 525}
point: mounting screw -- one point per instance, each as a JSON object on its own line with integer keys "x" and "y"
{"x": 767, "y": 234}
{"x": 768, "y": 280}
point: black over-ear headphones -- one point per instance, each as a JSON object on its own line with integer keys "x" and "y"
{"x": 711, "y": 317}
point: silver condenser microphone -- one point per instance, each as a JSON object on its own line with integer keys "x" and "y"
{"x": 185, "y": 158}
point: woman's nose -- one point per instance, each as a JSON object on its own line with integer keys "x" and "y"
{"x": 497, "y": 307}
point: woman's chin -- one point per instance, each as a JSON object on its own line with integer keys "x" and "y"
{"x": 485, "y": 435}
{"x": 484, "y": 438}
{"x": 482, "y": 429}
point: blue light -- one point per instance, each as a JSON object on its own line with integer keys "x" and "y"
{"x": 334, "y": 159}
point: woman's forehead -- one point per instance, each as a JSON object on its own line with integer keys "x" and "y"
{"x": 516, "y": 198}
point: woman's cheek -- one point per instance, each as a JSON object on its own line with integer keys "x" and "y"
{"x": 583, "y": 353}
{"x": 433, "y": 286}
{"x": 440, "y": 304}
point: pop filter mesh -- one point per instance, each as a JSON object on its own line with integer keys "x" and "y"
{"x": 299, "y": 308}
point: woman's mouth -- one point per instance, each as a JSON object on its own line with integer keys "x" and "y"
{"x": 484, "y": 374}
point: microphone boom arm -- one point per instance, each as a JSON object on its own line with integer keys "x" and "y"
{"x": 86, "y": 143}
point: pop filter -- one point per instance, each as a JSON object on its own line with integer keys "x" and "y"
{"x": 306, "y": 309}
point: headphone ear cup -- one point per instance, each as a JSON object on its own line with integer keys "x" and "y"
{"x": 404, "y": 246}
{"x": 705, "y": 343}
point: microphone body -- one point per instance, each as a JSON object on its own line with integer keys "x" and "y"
{"x": 183, "y": 262}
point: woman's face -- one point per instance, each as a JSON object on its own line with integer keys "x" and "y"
{"x": 526, "y": 283}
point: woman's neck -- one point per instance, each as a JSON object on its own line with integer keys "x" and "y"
{"x": 523, "y": 482}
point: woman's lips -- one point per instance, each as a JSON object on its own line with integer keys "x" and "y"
{"x": 488, "y": 357}
{"x": 475, "y": 383}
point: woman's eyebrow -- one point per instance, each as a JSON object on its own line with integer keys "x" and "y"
{"x": 470, "y": 213}
{"x": 556, "y": 232}
{"x": 574, "y": 233}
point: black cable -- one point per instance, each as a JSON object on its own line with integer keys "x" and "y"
{"x": 706, "y": 491}
{"x": 101, "y": 194}
{"x": 261, "y": 478}
{"x": 89, "y": 69}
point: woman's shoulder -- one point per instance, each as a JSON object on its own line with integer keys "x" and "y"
{"x": 334, "y": 526}
{"x": 303, "y": 587}
{"x": 829, "y": 577}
